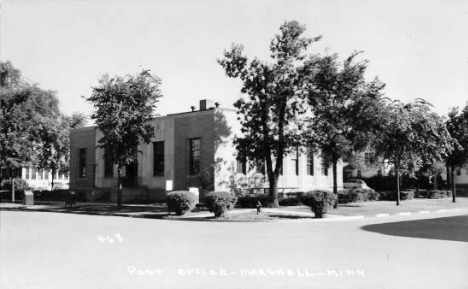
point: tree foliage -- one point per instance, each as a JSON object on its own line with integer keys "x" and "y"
{"x": 54, "y": 146}
{"x": 457, "y": 126}
{"x": 344, "y": 107}
{"x": 123, "y": 108}
{"x": 270, "y": 114}
{"x": 413, "y": 135}
{"x": 24, "y": 110}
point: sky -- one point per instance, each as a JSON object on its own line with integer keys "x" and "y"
{"x": 418, "y": 48}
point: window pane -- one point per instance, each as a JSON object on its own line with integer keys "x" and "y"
{"x": 310, "y": 164}
{"x": 194, "y": 168}
{"x": 108, "y": 165}
{"x": 33, "y": 173}
{"x": 82, "y": 163}
{"x": 158, "y": 158}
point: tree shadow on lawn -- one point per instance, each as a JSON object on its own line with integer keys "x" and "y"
{"x": 447, "y": 228}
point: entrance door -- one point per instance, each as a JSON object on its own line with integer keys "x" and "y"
{"x": 131, "y": 179}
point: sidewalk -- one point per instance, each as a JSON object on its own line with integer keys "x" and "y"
{"x": 389, "y": 208}
{"x": 344, "y": 211}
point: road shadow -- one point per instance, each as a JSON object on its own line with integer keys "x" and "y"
{"x": 447, "y": 228}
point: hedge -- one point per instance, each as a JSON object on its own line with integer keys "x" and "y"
{"x": 357, "y": 195}
{"x": 251, "y": 200}
{"x": 220, "y": 202}
{"x": 319, "y": 201}
{"x": 180, "y": 202}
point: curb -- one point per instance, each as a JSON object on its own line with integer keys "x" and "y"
{"x": 329, "y": 217}
{"x": 402, "y": 214}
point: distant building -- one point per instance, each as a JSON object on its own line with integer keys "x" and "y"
{"x": 42, "y": 179}
{"x": 189, "y": 150}
{"x": 365, "y": 165}
{"x": 461, "y": 177}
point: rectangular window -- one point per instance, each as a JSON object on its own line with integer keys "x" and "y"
{"x": 27, "y": 173}
{"x": 194, "y": 145}
{"x": 359, "y": 175}
{"x": 324, "y": 168}
{"x": 33, "y": 174}
{"x": 82, "y": 163}
{"x": 242, "y": 166}
{"x": 295, "y": 161}
{"x": 458, "y": 172}
{"x": 369, "y": 158}
{"x": 158, "y": 158}
{"x": 108, "y": 164}
{"x": 46, "y": 175}
{"x": 310, "y": 163}
{"x": 41, "y": 174}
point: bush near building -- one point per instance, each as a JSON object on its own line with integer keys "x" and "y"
{"x": 251, "y": 200}
{"x": 388, "y": 183}
{"x": 391, "y": 195}
{"x": 436, "y": 194}
{"x": 180, "y": 202}
{"x": 357, "y": 195}
{"x": 20, "y": 184}
{"x": 319, "y": 201}
{"x": 220, "y": 202}
{"x": 291, "y": 200}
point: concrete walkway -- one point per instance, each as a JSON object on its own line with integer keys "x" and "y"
{"x": 377, "y": 209}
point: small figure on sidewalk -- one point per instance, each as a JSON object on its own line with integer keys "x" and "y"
{"x": 70, "y": 201}
{"x": 259, "y": 207}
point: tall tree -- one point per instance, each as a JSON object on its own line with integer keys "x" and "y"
{"x": 123, "y": 107}
{"x": 270, "y": 115}
{"x": 54, "y": 145}
{"x": 457, "y": 125}
{"x": 344, "y": 108}
{"x": 23, "y": 109}
{"x": 413, "y": 135}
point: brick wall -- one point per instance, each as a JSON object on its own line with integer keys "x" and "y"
{"x": 79, "y": 139}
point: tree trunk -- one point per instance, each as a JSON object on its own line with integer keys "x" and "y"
{"x": 12, "y": 189}
{"x": 398, "y": 186}
{"x": 273, "y": 180}
{"x": 449, "y": 182}
{"x": 335, "y": 183}
{"x": 52, "y": 182}
{"x": 454, "y": 189}
{"x": 119, "y": 188}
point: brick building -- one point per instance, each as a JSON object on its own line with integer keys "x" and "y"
{"x": 189, "y": 150}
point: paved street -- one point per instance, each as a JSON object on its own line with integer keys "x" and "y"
{"x": 51, "y": 250}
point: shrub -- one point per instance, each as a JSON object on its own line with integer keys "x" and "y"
{"x": 372, "y": 195}
{"x": 438, "y": 194}
{"x": 422, "y": 194}
{"x": 319, "y": 201}
{"x": 290, "y": 200}
{"x": 180, "y": 202}
{"x": 357, "y": 195}
{"x": 37, "y": 195}
{"x": 46, "y": 195}
{"x": 392, "y": 195}
{"x": 251, "y": 201}
{"x": 407, "y": 195}
{"x": 20, "y": 184}
{"x": 220, "y": 202}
